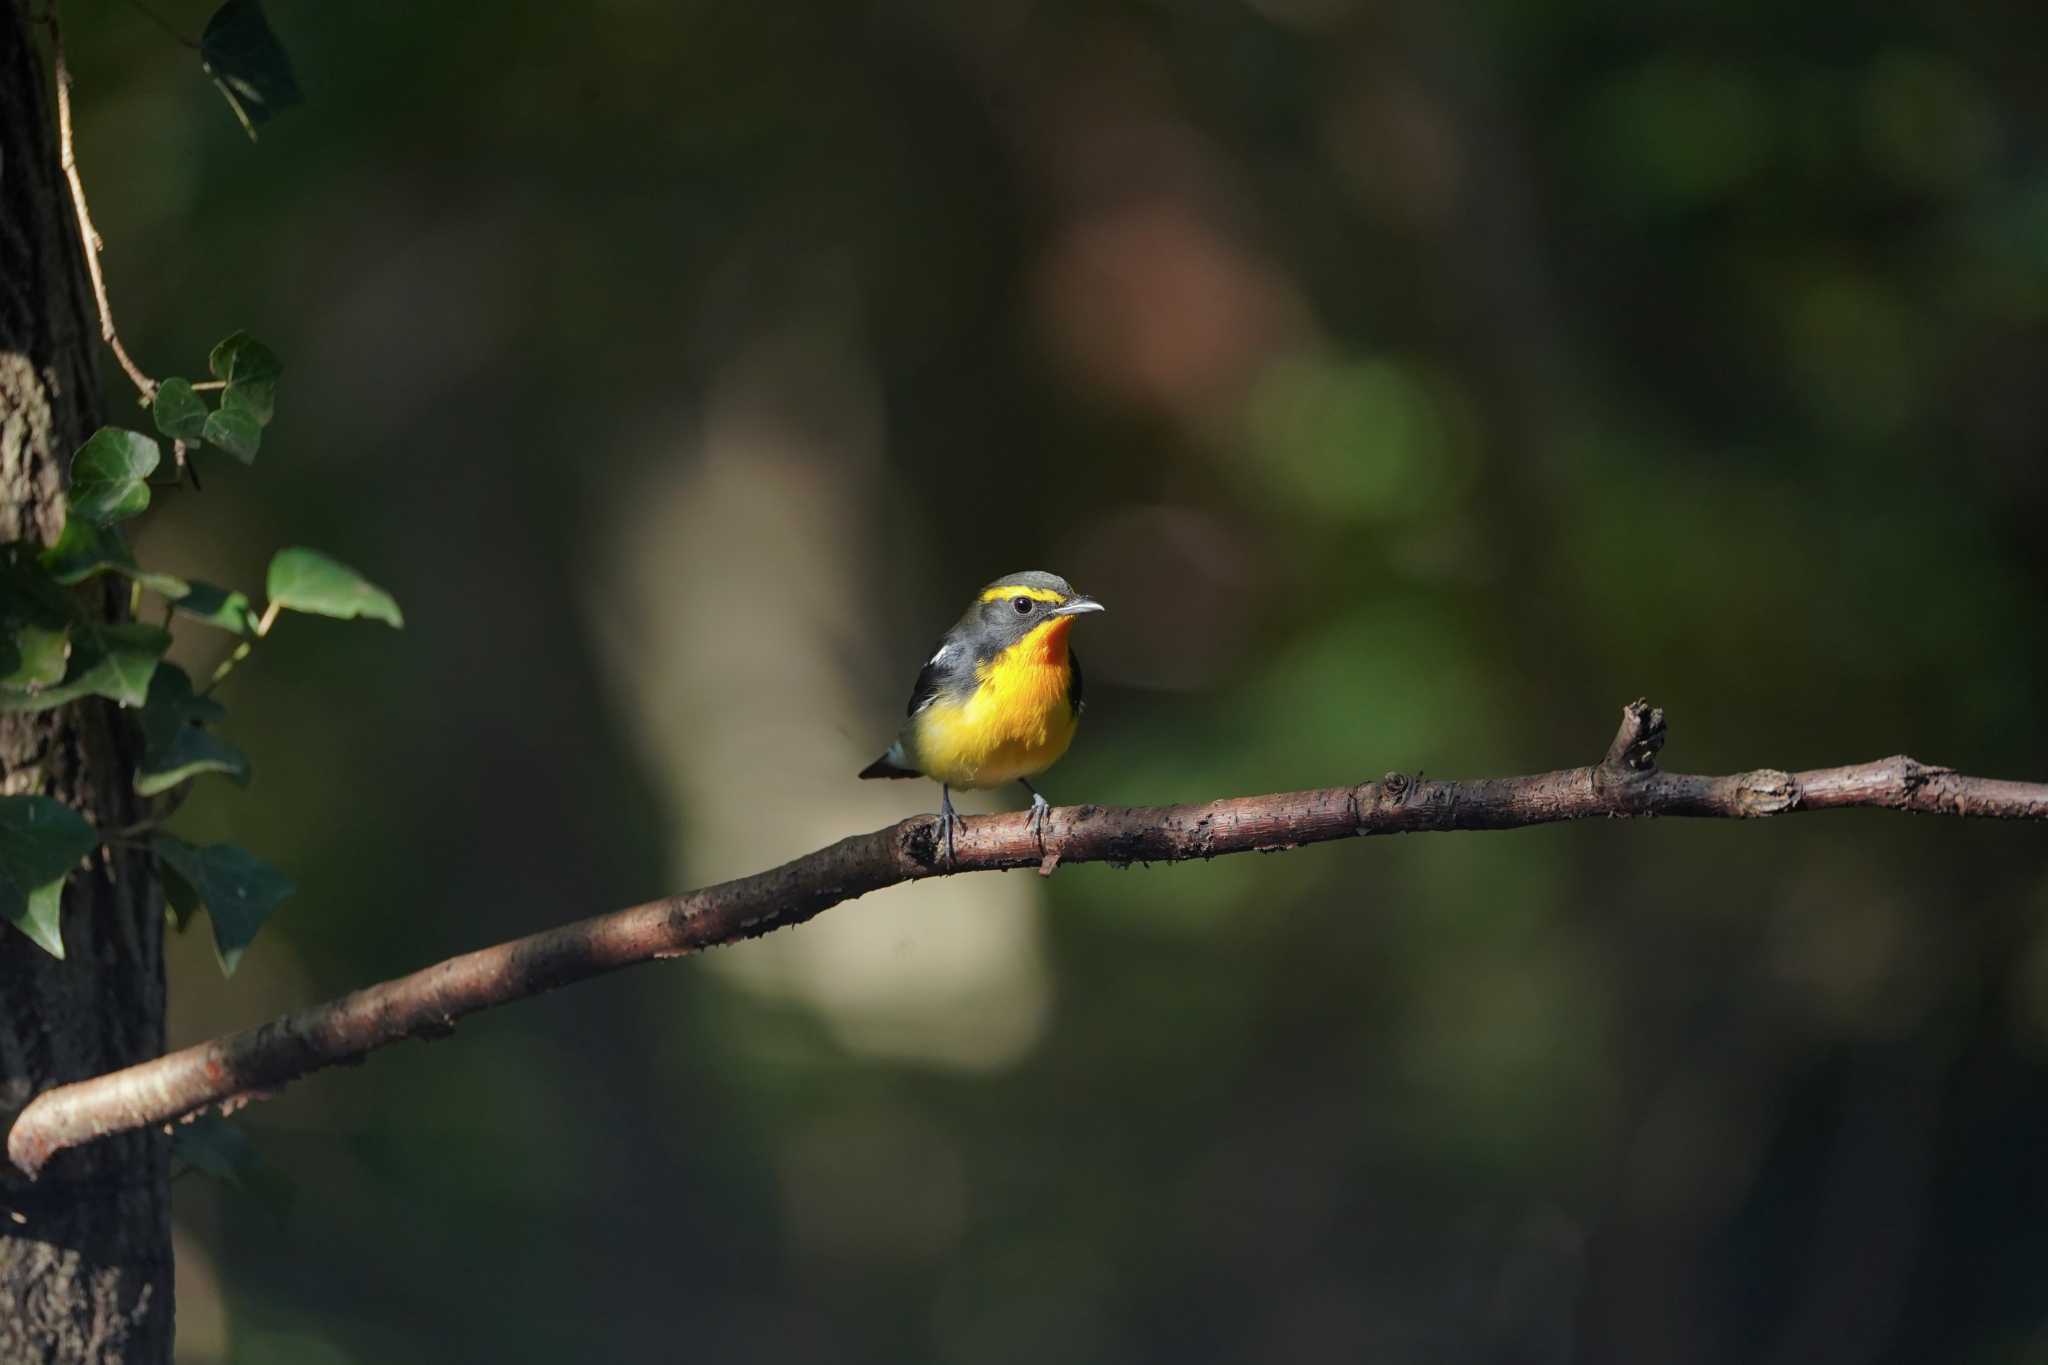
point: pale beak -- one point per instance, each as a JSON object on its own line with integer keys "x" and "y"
{"x": 1074, "y": 606}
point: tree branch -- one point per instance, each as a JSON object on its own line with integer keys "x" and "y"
{"x": 235, "y": 1070}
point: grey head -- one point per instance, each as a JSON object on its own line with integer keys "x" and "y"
{"x": 1013, "y": 606}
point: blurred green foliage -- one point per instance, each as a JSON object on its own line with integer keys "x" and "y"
{"x": 1415, "y": 384}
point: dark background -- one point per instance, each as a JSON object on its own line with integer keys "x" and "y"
{"x": 1415, "y": 382}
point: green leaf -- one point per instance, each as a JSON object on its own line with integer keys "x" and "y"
{"x": 33, "y": 657}
{"x": 179, "y": 412}
{"x": 238, "y": 890}
{"x": 109, "y": 473}
{"x": 234, "y": 431}
{"x": 306, "y": 580}
{"x": 174, "y": 744}
{"x": 251, "y": 370}
{"x": 84, "y": 549}
{"x": 115, "y": 661}
{"x": 181, "y": 899}
{"x": 221, "y": 608}
{"x": 248, "y": 63}
{"x": 41, "y": 840}
{"x": 35, "y": 621}
{"x": 42, "y": 917}
{"x": 193, "y": 753}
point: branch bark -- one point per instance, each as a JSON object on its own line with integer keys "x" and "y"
{"x": 235, "y": 1070}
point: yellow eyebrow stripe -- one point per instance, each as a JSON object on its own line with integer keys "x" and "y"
{"x": 1002, "y": 590}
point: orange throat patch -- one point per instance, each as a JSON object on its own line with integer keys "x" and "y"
{"x": 1050, "y": 641}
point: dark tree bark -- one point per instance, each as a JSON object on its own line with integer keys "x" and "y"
{"x": 85, "y": 1266}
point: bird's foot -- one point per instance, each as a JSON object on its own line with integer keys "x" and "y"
{"x": 1039, "y": 806}
{"x": 947, "y": 821}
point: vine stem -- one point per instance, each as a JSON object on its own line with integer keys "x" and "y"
{"x": 151, "y": 823}
{"x": 240, "y": 1068}
{"x": 67, "y": 158}
{"x": 244, "y": 649}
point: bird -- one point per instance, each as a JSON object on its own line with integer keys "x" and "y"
{"x": 999, "y": 699}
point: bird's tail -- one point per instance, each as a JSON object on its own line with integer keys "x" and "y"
{"x": 892, "y": 764}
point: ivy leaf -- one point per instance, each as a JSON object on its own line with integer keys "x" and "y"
{"x": 251, "y": 370}
{"x": 179, "y": 412}
{"x": 247, "y": 62}
{"x": 109, "y": 475}
{"x": 42, "y": 917}
{"x": 306, "y": 580}
{"x": 115, "y": 661}
{"x": 83, "y": 549}
{"x": 234, "y": 431}
{"x": 238, "y": 890}
{"x": 175, "y": 746}
{"x": 221, "y": 608}
{"x": 33, "y": 657}
{"x": 41, "y": 840}
{"x": 35, "y": 619}
{"x": 181, "y": 899}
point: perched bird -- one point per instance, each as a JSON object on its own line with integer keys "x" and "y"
{"x": 1000, "y": 697}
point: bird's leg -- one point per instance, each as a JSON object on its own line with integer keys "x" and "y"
{"x": 1039, "y": 806}
{"x": 947, "y": 820}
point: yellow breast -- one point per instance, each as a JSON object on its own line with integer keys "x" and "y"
{"x": 1016, "y": 723}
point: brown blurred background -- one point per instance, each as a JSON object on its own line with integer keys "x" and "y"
{"x": 1416, "y": 383}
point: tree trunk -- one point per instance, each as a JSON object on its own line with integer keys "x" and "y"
{"x": 85, "y": 1262}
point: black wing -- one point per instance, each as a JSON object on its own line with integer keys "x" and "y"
{"x": 928, "y": 680}
{"x": 1074, "y": 686}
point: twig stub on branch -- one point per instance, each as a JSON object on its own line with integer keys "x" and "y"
{"x": 1641, "y": 735}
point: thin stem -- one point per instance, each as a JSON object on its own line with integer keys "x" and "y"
{"x": 67, "y": 158}
{"x": 244, "y": 649}
{"x": 227, "y": 666}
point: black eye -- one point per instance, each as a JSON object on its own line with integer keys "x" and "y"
{"x": 1022, "y": 604}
